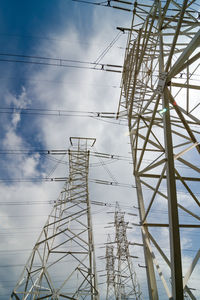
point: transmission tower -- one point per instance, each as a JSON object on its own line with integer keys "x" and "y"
{"x": 160, "y": 99}
{"x": 62, "y": 263}
{"x": 110, "y": 268}
{"x": 127, "y": 286}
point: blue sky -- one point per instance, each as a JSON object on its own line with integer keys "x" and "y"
{"x": 67, "y": 30}
{"x": 30, "y": 29}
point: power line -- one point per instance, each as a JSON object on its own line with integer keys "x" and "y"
{"x": 128, "y": 3}
{"x": 45, "y": 38}
{"x": 108, "y": 4}
{"x": 49, "y": 155}
{"x": 93, "y": 202}
{"x": 106, "y": 50}
{"x": 59, "y": 82}
{"x": 98, "y": 181}
{"x": 59, "y": 112}
{"x": 59, "y": 62}
{"x": 56, "y": 179}
{"x": 61, "y": 152}
{"x": 100, "y": 116}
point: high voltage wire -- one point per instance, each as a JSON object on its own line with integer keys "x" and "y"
{"x": 83, "y": 1}
{"x": 106, "y": 168}
{"x": 57, "y": 161}
{"x": 61, "y": 152}
{"x": 56, "y": 179}
{"x": 21, "y": 265}
{"x": 59, "y": 62}
{"x": 108, "y": 4}
{"x": 98, "y": 203}
{"x": 45, "y": 38}
{"x": 87, "y": 84}
{"x": 135, "y": 4}
{"x": 59, "y": 81}
{"x": 49, "y": 154}
{"x": 92, "y": 202}
{"x": 46, "y": 58}
{"x": 100, "y": 156}
{"x": 101, "y": 56}
{"x": 98, "y": 181}
{"x": 58, "y": 112}
{"x": 6, "y": 233}
{"x": 62, "y": 62}
{"x": 101, "y": 116}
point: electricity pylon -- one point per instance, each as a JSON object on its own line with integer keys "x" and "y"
{"x": 110, "y": 270}
{"x": 127, "y": 286}
{"x": 62, "y": 263}
{"x": 160, "y": 99}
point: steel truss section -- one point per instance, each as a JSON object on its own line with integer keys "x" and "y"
{"x": 160, "y": 99}
{"x": 62, "y": 263}
{"x": 126, "y": 283}
{"x": 110, "y": 270}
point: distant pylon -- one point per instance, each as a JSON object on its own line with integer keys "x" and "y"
{"x": 127, "y": 286}
{"x": 62, "y": 263}
{"x": 110, "y": 269}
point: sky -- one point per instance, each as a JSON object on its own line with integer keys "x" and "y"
{"x": 66, "y": 30}
{"x": 63, "y": 30}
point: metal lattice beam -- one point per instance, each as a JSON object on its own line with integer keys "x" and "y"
{"x": 110, "y": 270}
{"x": 62, "y": 263}
{"x": 126, "y": 283}
{"x": 160, "y": 77}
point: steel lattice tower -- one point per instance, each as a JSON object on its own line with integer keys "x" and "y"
{"x": 110, "y": 269}
{"x": 160, "y": 87}
{"x": 62, "y": 263}
{"x": 127, "y": 286}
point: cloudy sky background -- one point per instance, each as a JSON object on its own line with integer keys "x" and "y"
{"x": 61, "y": 29}
{"x": 68, "y": 30}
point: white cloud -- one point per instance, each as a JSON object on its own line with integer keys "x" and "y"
{"x": 71, "y": 89}
{"x": 12, "y": 139}
{"x": 29, "y": 166}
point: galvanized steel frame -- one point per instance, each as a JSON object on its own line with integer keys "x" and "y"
{"x": 126, "y": 281}
{"x": 161, "y": 59}
{"x": 67, "y": 234}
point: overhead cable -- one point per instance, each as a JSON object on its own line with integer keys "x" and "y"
{"x": 65, "y": 179}
{"x": 58, "y": 112}
{"x": 106, "y": 168}
{"x": 108, "y": 4}
{"x": 58, "y": 62}
{"x": 62, "y": 152}
{"x": 101, "y": 116}
{"x": 105, "y": 51}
